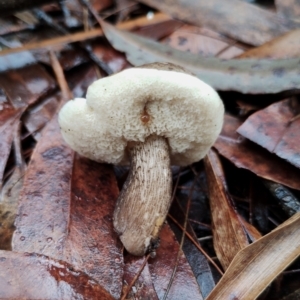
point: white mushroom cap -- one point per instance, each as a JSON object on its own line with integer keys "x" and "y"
{"x": 175, "y": 105}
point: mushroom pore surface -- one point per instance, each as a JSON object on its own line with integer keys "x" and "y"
{"x": 137, "y": 103}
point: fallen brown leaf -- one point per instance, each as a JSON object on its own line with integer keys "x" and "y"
{"x": 229, "y": 234}
{"x": 73, "y": 207}
{"x": 276, "y": 128}
{"x": 247, "y": 155}
{"x": 184, "y": 284}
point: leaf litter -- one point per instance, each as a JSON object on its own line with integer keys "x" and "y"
{"x": 74, "y": 224}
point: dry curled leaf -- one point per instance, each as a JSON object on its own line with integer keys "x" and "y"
{"x": 254, "y": 267}
{"x": 246, "y": 76}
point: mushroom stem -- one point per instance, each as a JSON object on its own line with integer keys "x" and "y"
{"x": 145, "y": 199}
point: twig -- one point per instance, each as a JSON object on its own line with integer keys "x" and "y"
{"x": 60, "y": 76}
{"x": 85, "y": 35}
{"x": 197, "y": 245}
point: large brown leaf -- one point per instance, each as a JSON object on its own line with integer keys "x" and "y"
{"x": 247, "y": 155}
{"x": 254, "y": 267}
{"x": 276, "y": 128}
{"x": 237, "y": 19}
{"x": 246, "y": 76}
{"x": 33, "y": 276}
{"x": 66, "y": 211}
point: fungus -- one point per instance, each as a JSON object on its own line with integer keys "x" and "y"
{"x": 152, "y": 117}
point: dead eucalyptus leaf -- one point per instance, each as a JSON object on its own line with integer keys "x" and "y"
{"x": 26, "y": 85}
{"x": 184, "y": 284}
{"x": 66, "y": 211}
{"x": 276, "y": 128}
{"x": 246, "y": 76}
{"x": 238, "y": 19}
{"x": 229, "y": 235}
{"x": 143, "y": 287}
{"x": 33, "y": 276}
{"x": 254, "y": 267}
{"x": 245, "y": 154}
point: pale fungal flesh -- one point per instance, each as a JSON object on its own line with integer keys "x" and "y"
{"x": 152, "y": 116}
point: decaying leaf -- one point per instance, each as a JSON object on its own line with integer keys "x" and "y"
{"x": 246, "y": 76}
{"x": 184, "y": 284}
{"x": 26, "y": 85}
{"x": 276, "y": 128}
{"x": 143, "y": 287}
{"x": 228, "y": 231}
{"x": 9, "y": 195}
{"x": 240, "y": 20}
{"x": 66, "y": 211}
{"x": 247, "y": 155}
{"x": 254, "y": 267}
{"x": 33, "y": 276}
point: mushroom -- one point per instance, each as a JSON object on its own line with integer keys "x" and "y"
{"x": 151, "y": 116}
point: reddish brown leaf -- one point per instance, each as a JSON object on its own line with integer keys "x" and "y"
{"x": 24, "y": 86}
{"x": 228, "y": 231}
{"x": 247, "y": 155}
{"x": 276, "y": 128}
{"x": 143, "y": 287}
{"x": 78, "y": 230}
{"x": 39, "y": 115}
{"x": 240, "y": 20}
{"x": 33, "y": 276}
{"x": 184, "y": 285}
